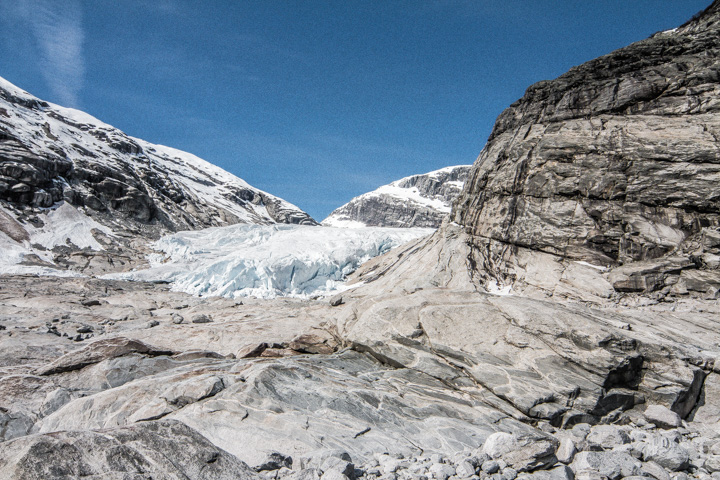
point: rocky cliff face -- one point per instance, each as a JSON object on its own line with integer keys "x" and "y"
{"x": 415, "y": 201}
{"x": 616, "y": 163}
{"x": 50, "y": 154}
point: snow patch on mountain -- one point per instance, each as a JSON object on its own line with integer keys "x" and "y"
{"x": 30, "y": 252}
{"x": 266, "y": 260}
{"x": 65, "y": 225}
{"x": 410, "y": 194}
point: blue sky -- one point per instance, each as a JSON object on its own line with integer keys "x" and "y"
{"x": 313, "y": 101}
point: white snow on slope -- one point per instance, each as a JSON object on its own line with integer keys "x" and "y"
{"x": 267, "y": 260}
{"x": 410, "y": 194}
{"x": 66, "y": 224}
{"x": 342, "y": 223}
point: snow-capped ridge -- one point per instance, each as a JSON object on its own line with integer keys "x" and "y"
{"x": 414, "y": 201}
{"x": 54, "y": 154}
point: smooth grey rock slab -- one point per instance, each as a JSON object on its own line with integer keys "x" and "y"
{"x": 97, "y": 352}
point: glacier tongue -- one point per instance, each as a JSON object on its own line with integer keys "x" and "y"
{"x": 267, "y": 260}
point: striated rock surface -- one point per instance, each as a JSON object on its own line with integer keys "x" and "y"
{"x": 437, "y": 380}
{"x": 613, "y": 163}
{"x": 415, "y": 201}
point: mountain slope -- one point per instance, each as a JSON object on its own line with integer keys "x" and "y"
{"x": 51, "y": 154}
{"x": 74, "y": 190}
{"x": 414, "y": 201}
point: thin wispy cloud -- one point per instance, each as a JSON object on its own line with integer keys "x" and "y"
{"x": 58, "y": 32}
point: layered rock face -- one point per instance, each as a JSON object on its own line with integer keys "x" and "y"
{"x": 50, "y": 154}
{"x": 415, "y": 201}
{"x": 615, "y": 162}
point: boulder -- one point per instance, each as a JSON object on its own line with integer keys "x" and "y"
{"x": 274, "y": 461}
{"x": 607, "y": 436}
{"x": 522, "y": 452}
{"x": 654, "y": 470}
{"x": 662, "y": 416}
{"x": 666, "y": 453}
{"x": 566, "y": 451}
{"x": 201, "y": 318}
{"x": 612, "y": 465}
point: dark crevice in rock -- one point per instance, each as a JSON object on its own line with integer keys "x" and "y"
{"x": 700, "y": 399}
{"x": 628, "y": 374}
{"x": 383, "y": 359}
{"x": 688, "y": 399}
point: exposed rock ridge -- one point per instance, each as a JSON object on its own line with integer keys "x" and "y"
{"x": 615, "y": 162}
{"x": 652, "y": 76}
{"x": 415, "y": 201}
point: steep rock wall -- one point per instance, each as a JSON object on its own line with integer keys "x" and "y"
{"x": 615, "y": 162}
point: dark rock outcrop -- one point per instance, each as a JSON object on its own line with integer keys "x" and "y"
{"x": 161, "y": 449}
{"x": 615, "y": 162}
{"x": 415, "y": 201}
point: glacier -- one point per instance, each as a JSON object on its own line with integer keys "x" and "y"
{"x": 266, "y": 261}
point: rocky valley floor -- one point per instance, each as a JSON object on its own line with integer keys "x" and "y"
{"x": 114, "y": 379}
